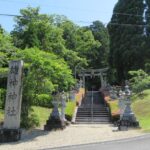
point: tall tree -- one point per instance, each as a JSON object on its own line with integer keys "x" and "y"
{"x": 82, "y": 41}
{"x": 37, "y": 30}
{"x": 101, "y": 34}
{"x": 6, "y": 48}
{"x": 69, "y": 34}
{"x": 87, "y": 45}
{"x": 127, "y": 37}
{"x": 48, "y": 33}
{"x": 147, "y": 20}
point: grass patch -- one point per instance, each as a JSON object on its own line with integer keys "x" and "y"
{"x": 1, "y": 115}
{"x": 115, "y": 111}
{"x": 141, "y": 107}
{"x": 42, "y": 113}
{"x": 69, "y": 111}
{"x": 114, "y": 106}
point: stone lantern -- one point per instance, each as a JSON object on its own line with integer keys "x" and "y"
{"x": 113, "y": 93}
{"x": 121, "y": 102}
{"x": 63, "y": 106}
{"x": 55, "y": 120}
{"x": 127, "y": 118}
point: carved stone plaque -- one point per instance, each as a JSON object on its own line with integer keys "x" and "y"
{"x": 14, "y": 95}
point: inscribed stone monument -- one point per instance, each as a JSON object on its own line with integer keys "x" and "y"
{"x": 13, "y": 103}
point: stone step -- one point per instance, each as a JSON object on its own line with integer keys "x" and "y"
{"x": 92, "y": 111}
{"x": 96, "y": 108}
{"x": 90, "y": 116}
{"x": 96, "y": 116}
{"x": 94, "y": 104}
{"x": 99, "y": 110}
{"x": 92, "y": 120}
{"x": 106, "y": 122}
{"x": 89, "y": 107}
{"x": 78, "y": 114}
{"x": 89, "y": 111}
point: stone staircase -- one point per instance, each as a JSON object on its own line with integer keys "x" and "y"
{"x": 92, "y": 110}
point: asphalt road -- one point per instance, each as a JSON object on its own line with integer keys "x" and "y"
{"x": 139, "y": 143}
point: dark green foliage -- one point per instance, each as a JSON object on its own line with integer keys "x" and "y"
{"x": 43, "y": 100}
{"x": 37, "y": 30}
{"x": 46, "y": 73}
{"x": 29, "y": 120}
{"x": 2, "y": 98}
{"x": 80, "y": 42}
{"x": 7, "y": 50}
{"x": 100, "y": 34}
{"x": 49, "y": 33}
{"x": 69, "y": 34}
{"x": 147, "y": 67}
{"x": 147, "y": 48}
{"x": 87, "y": 45}
{"x": 140, "y": 81}
{"x": 127, "y": 40}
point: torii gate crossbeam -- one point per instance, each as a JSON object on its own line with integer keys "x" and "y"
{"x": 92, "y": 73}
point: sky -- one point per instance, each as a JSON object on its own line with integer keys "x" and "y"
{"x": 81, "y": 12}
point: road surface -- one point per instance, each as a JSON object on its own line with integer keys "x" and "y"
{"x": 138, "y": 143}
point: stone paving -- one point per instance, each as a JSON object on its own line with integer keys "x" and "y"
{"x": 73, "y": 135}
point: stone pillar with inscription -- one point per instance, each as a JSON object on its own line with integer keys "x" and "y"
{"x": 11, "y": 128}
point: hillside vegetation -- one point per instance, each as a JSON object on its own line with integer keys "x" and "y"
{"x": 141, "y": 107}
{"x": 1, "y": 115}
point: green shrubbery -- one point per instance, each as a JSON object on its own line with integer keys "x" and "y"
{"x": 140, "y": 81}
{"x": 46, "y": 73}
{"x": 43, "y": 100}
{"x": 1, "y": 115}
{"x": 30, "y": 120}
{"x": 2, "y": 98}
{"x": 69, "y": 111}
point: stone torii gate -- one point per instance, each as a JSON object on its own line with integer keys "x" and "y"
{"x": 93, "y": 73}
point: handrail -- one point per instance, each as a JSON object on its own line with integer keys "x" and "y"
{"x": 92, "y": 106}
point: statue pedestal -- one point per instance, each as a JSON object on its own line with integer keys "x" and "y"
{"x": 10, "y": 135}
{"x": 54, "y": 124}
{"x": 55, "y": 121}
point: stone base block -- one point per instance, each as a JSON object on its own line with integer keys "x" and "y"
{"x": 123, "y": 128}
{"x": 54, "y": 124}
{"x": 10, "y": 135}
{"x": 123, "y": 125}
